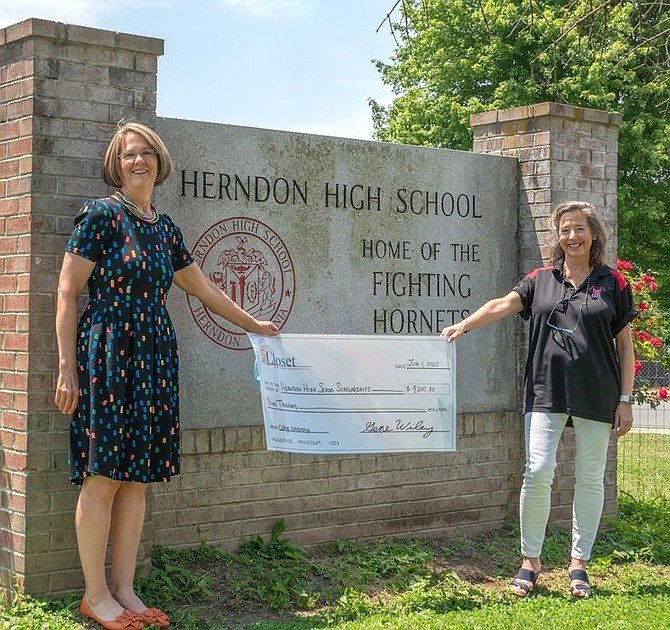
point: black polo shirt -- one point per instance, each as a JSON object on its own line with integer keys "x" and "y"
{"x": 576, "y": 373}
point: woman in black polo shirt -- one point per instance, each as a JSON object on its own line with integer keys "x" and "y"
{"x": 579, "y": 371}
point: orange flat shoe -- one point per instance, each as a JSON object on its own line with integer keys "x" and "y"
{"x": 155, "y": 617}
{"x": 127, "y": 620}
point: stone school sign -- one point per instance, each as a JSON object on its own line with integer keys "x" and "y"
{"x": 329, "y": 235}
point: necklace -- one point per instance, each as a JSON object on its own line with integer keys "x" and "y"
{"x": 574, "y": 278}
{"x": 136, "y": 211}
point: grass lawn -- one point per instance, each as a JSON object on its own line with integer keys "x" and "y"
{"x": 644, "y": 465}
{"x": 421, "y": 584}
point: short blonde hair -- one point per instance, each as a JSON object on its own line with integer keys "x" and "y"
{"x": 596, "y": 223}
{"x": 111, "y": 166}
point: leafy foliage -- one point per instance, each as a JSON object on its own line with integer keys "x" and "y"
{"x": 28, "y": 613}
{"x": 642, "y": 531}
{"x": 649, "y": 330}
{"x": 400, "y": 561}
{"x": 277, "y": 572}
{"x": 170, "y": 581}
{"x": 458, "y": 57}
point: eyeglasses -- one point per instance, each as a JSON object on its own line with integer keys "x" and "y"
{"x": 147, "y": 154}
{"x": 563, "y": 302}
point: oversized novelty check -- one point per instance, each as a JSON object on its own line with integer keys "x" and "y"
{"x": 357, "y": 393}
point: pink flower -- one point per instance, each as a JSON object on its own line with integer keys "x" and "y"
{"x": 638, "y": 367}
{"x": 662, "y": 393}
{"x": 656, "y": 342}
{"x": 645, "y": 336}
{"x": 624, "y": 264}
{"x": 642, "y": 306}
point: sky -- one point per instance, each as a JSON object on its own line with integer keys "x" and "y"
{"x": 296, "y": 65}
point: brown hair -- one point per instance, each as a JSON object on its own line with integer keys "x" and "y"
{"x": 111, "y": 167}
{"x": 597, "y": 251}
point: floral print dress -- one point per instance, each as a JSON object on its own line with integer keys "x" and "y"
{"x": 127, "y": 424}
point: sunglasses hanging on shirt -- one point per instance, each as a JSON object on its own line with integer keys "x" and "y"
{"x": 561, "y": 309}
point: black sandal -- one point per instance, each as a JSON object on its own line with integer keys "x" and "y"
{"x": 583, "y": 590}
{"x": 528, "y": 576}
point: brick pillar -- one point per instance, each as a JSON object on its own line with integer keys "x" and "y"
{"x": 565, "y": 153}
{"x": 63, "y": 89}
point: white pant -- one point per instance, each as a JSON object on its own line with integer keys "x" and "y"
{"x": 543, "y": 432}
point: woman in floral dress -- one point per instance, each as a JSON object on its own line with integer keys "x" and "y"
{"x": 118, "y": 367}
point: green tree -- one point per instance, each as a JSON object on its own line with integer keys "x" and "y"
{"x": 458, "y": 57}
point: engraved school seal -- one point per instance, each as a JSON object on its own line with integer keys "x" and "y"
{"x": 249, "y": 262}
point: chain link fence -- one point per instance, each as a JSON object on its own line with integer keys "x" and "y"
{"x": 653, "y": 374}
{"x": 644, "y": 453}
